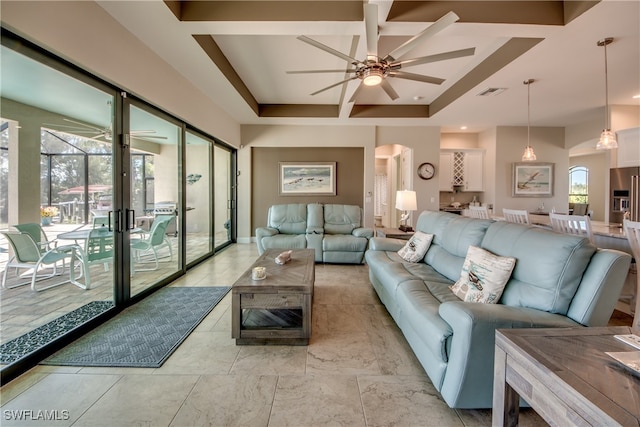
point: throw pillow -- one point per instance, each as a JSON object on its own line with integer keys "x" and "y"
{"x": 416, "y": 247}
{"x": 484, "y": 276}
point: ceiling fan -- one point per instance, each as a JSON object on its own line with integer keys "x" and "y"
{"x": 95, "y": 132}
{"x": 375, "y": 70}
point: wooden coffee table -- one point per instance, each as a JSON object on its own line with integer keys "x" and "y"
{"x": 276, "y": 310}
{"x": 565, "y": 375}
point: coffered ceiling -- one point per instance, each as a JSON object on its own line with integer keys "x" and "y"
{"x": 239, "y": 52}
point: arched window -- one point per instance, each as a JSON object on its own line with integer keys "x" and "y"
{"x": 578, "y": 184}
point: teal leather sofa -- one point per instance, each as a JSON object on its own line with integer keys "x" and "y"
{"x": 559, "y": 280}
{"x": 334, "y": 231}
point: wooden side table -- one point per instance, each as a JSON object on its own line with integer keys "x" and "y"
{"x": 566, "y": 377}
{"x": 393, "y": 233}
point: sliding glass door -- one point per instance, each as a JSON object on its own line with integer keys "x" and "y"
{"x": 56, "y": 168}
{"x": 198, "y": 168}
{"x": 154, "y": 217}
{"x": 223, "y": 196}
{"x": 95, "y": 167}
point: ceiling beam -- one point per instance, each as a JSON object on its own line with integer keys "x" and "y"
{"x": 214, "y": 52}
{"x": 508, "y": 52}
{"x": 543, "y": 12}
{"x": 199, "y": 10}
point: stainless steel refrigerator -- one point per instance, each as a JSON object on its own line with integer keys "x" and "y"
{"x": 625, "y": 194}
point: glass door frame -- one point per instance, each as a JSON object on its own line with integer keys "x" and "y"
{"x": 121, "y": 194}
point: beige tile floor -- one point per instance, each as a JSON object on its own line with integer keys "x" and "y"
{"x": 357, "y": 371}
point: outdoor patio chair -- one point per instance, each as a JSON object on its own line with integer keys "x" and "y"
{"x": 28, "y": 256}
{"x": 38, "y": 235}
{"x": 154, "y": 240}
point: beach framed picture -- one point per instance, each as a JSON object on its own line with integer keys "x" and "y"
{"x": 532, "y": 179}
{"x": 307, "y": 178}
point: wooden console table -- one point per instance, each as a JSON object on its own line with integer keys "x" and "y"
{"x": 276, "y": 310}
{"x": 566, "y": 377}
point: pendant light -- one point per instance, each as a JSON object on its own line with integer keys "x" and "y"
{"x": 607, "y": 138}
{"x": 528, "y": 155}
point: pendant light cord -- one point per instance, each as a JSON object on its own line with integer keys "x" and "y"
{"x": 529, "y": 113}
{"x": 606, "y": 87}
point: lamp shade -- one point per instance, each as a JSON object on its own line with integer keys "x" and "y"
{"x": 406, "y": 200}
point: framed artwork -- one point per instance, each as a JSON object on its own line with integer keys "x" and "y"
{"x": 307, "y": 178}
{"x": 532, "y": 179}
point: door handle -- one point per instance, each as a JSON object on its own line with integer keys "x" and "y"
{"x": 131, "y": 220}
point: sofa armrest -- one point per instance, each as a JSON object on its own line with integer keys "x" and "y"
{"x": 315, "y": 230}
{"x": 363, "y": 232}
{"x": 262, "y": 232}
{"x": 386, "y": 244}
{"x": 472, "y": 347}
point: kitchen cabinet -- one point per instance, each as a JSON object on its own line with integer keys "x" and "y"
{"x": 473, "y": 170}
{"x": 463, "y": 169}
{"x": 628, "y": 147}
{"x": 446, "y": 171}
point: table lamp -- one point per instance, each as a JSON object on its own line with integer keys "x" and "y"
{"x": 406, "y": 201}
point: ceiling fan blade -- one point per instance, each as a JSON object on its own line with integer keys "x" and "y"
{"x": 434, "y": 58}
{"x": 390, "y": 91}
{"x": 83, "y": 124}
{"x": 334, "y": 85}
{"x": 322, "y": 71}
{"x": 434, "y": 28}
{"x": 371, "y": 26}
{"x": 328, "y": 49}
{"x": 416, "y": 77}
{"x": 356, "y": 92}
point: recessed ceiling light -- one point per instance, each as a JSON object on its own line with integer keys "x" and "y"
{"x": 417, "y": 98}
{"x": 636, "y": 97}
{"x": 463, "y": 127}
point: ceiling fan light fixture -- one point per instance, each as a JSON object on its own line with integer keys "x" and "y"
{"x": 529, "y": 155}
{"x": 372, "y": 77}
{"x": 607, "y": 139}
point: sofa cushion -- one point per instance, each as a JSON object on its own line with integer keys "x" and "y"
{"x": 420, "y": 311}
{"x": 416, "y": 247}
{"x": 288, "y": 219}
{"x": 341, "y": 219}
{"x": 344, "y": 243}
{"x": 285, "y": 241}
{"x": 483, "y": 276}
{"x": 453, "y": 236}
{"x": 549, "y": 265}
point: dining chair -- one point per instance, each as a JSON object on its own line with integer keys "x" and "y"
{"x": 632, "y": 231}
{"x": 479, "y": 212}
{"x": 580, "y": 209}
{"x": 572, "y": 224}
{"x": 28, "y": 256}
{"x": 154, "y": 240}
{"x": 519, "y": 216}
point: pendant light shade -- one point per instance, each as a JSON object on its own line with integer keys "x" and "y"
{"x": 607, "y": 138}
{"x": 529, "y": 155}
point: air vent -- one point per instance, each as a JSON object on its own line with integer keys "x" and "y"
{"x": 492, "y": 91}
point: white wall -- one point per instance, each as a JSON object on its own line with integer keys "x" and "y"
{"x": 548, "y": 144}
